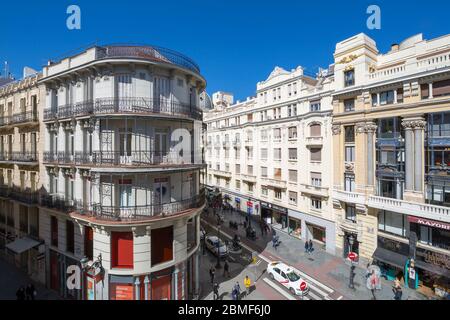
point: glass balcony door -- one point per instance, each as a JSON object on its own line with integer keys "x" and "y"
{"x": 161, "y": 150}
{"x": 125, "y": 195}
{"x": 162, "y": 191}
{"x": 125, "y": 142}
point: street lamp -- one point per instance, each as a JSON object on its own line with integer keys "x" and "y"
{"x": 218, "y": 265}
{"x": 351, "y": 241}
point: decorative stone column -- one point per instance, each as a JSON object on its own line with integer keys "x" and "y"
{"x": 419, "y": 128}
{"x": 338, "y": 162}
{"x": 370, "y": 129}
{"x": 409, "y": 154}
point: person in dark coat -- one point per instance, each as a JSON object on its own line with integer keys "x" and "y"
{"x": 29, "y": 291}
{"x": 306, "y": 246}
{"x": 226, "y": 269}
{"x": 20, "y": 293}
{"x": 216, "y": 291}
{"x": 212, "y": 273}
{"x": 311, "y": 249}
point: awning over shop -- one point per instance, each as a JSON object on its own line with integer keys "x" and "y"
{"x": 21, "y": 245}
{"x": 390, "y": 257}
{"x": 433, "y": 268}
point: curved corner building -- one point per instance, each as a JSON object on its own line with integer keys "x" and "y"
{"x": 121, "y": 194}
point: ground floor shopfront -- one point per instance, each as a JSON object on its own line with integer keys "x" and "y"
{"x": 178, "y": 282}
{"x": 426, "y": 247}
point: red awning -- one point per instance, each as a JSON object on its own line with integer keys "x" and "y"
{"x": 429, "y": 223}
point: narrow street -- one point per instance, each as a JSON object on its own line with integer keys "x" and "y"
{"x": 327, "y": 275}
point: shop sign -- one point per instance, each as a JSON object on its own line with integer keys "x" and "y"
{"x": 435, "y": 258}
{"x": 429, "y": 223}
{"x": 124, "y": 292}
{"x": 274, "y": 207}
{"x": 90, "y": 290}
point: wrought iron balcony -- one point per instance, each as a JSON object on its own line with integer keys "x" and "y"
{"x": 23, "y": 156}
{"x": 117, "y": 158}
{"x": 152, "y": 53}
{"x": 134, "y": 213}
{"x": 24, "y": 117}
{"x": 60, "y": 203}
{"x": 15, "y": 193}
{"x": 134, "y": 105}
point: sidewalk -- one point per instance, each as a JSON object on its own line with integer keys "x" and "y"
{"x": 12, "y": 278}
{"x": 331, "y": 270}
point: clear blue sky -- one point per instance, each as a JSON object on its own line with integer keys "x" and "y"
{"x": 236, "y": 42}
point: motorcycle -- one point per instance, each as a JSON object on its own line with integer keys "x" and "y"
{"x": 276, "y": 241}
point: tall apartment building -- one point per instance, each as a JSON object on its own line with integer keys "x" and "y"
{"x": 391, "y": 139}
{"x": 20, "y": 174}
{"x": 271, "y": 155}
{"x": 119, "y": 186}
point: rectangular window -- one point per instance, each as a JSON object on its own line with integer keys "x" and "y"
{"x": 277, "y": 173}
{"x": 314, "y": 106}
{"x": 293, "y": 133}
{"x": 70, "y": 237}
{"x": 316, "y": 204}
{"x": 293, "y": 175}
{"x": 54, "y": 231}
{"x": 316, "y": 154}
{"x": 264, "y": 154}
{"x": 264, "y": 135}
{"x": 349, "y": 105}
{"x": 292, "y": 153}
{"x": 238, "y": 185}
{"x": 277, "y": 134}
{"x": 441, "y": 88}
{"x": 250, "y": 187}
{"x": 277, "y": 193}
{"x": 316, "y": 179}
{"x": 264, "y": 172}
{"x": 89, "y": 243}
{"x": 393, "y": 223}
{"x": 122, "y": 250}
{"x": 277, "y": 154}
{"x": 250, "y": 170}
{"x": 349, "y": 78}
{"x": 161, "y": 245}
{"x": 238, "y": 169}
{"x": 292, "y": 197}
{"x": 349, "y": 134}
{"x": 264, "y": 191}
{"x": 350, "y": 153}
{"x": 349, "y": 182}
{"x": 350, "y": 213}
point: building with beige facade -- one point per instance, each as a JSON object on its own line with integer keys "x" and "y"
{"x": 391, "y": 120}
{"x": 271, "y": 155}
{"x": 20, "y": 167}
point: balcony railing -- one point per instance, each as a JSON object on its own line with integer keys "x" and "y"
{"x": 277, "y": 183}
{"x": 24, "y": 117}
{"x": 146, "y": 212}
{"x": 314, "y": 190}
{"x": 60, "y": 203}
{"x": 116, "y": 158}
{"x": 220, "y": 173}
{"x": 18, "y": 118}
{"x": 24, "y": 196}
{"x": 19, "y": 156}
{"x": 151, "y": 53}
{"x": 124, "y": 105}
{"x": 314, "y": 141}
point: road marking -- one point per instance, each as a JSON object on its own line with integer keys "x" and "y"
{"x": 316, "y": 282}
{"x": 278, "y": 289}
{"x": 339, "y": 298}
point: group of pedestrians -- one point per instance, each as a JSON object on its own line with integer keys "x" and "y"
{"x": 28, "y": 293}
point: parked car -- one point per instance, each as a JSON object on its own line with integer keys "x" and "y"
{"x": 286, "y": 276}
{"x": 216, "y": 246}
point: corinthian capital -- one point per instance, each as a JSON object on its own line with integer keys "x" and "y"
{"x": 415, "y": 124}
{"x": 336, "y": 129}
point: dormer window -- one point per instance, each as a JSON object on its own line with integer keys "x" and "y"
{"x": 349, "y": 78}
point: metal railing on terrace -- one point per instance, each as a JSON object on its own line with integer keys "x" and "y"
{"x": 19, "y": 156}
{"x": 133, "y": 105}
{"x": 152, "y": 53}
{"x": 126, "y": 213}
{"x": 18, "y": 118}
{"x": 117, "y": 158}
{"x": 15, "y": 193}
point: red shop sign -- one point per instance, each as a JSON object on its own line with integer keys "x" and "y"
{"x": 429, "y": 223}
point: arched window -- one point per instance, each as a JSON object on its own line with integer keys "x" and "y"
{"x": 315, "y": 130}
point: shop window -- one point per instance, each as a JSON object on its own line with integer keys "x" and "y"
{"x": 70, "y": 236}
{"x": 54, "y": 231}
{"x": 389, "y": 128}
{"x": 435, "y": 237}
{"x": 162, "y": 245}
{"x": 161, "y": 287}
{"x": 88, "y": 243}
{"x": 122, "y": 250}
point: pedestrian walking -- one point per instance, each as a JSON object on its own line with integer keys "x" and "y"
{"x": 311, "y": 249}
{"x": 306, "y": 246}
{"x": 212, "y": 273}
{"x": 397, "y": 289}
{"x": 247, "y": 284}
{"x": 226, "y": 269}
{"x": 237, "y": 290}
{"x": 30, "y": 292}
{"x": 216, "y": 291}
{"x": 20, "y": 293}
{"x": 373, "y": 284}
